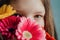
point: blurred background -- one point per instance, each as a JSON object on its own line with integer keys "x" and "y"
{"x": 55, "y": 4}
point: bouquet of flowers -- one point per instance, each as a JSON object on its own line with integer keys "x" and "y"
{"x": 20, "y": 28}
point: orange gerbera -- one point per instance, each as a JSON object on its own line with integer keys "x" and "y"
{"x": 6, "y": 10}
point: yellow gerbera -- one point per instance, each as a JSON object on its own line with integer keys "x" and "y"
{"x": 6, "y": 10}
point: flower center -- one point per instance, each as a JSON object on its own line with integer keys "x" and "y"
{"x": 27, "y": 35}
{"x": 11, "y": 30}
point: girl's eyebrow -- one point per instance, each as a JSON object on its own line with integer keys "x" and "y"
{"x": 21, "y": 12}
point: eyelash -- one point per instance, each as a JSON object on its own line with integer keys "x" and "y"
{"x": 18, "y": 14}
{"x": 37, "y": 16}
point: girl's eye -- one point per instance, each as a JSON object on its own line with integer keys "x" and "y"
{"x": 20, "y": 15}
{"x": 37, "y": 16}
{"x": 17, "y": 14}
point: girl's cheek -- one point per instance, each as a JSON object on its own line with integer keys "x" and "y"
{"x": 40, "y": 22}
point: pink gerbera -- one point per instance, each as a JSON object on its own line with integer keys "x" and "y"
{"x": 9, "y": 25}
{"x": 29, "y": 30}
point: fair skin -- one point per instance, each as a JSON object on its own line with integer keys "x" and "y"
{"x": 32, "y": 9}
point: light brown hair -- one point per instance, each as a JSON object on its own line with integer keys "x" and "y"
{"x": 49, "y": 22}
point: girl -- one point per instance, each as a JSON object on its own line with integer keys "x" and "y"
{"x": 38, "y": 10}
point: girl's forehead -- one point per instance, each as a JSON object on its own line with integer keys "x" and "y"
{"x": 29, "y": 6}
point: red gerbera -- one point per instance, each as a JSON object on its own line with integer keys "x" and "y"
{"x": 8, "y": 26}
{"x": 29, "y": 30}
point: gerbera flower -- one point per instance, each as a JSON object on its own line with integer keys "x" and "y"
{"x": 29, "y": 30}
{"x": 48, "y": 37}
{"x": 6, "y": 10}
{"x": 8, "y": 26}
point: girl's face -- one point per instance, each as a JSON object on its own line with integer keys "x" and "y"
{"x": 33, "y": 9}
